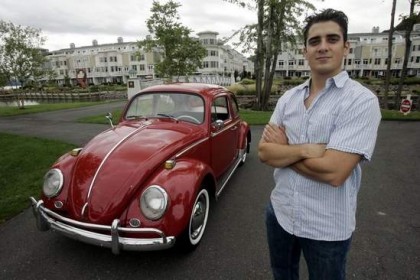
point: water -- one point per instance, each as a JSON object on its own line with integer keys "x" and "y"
{"x": 14, "y": 103}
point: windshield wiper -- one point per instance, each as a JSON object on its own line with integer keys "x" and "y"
{"x": 134, "y": 117}
{"x": 166, "y": 116}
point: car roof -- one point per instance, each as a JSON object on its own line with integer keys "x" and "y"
{"x": 201, "y": 88}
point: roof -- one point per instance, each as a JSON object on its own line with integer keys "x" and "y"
{"x": 202, "y": 88}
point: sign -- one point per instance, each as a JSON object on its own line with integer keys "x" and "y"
{"x": 405, "y": 107}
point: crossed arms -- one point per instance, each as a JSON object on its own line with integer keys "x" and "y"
{"x": 310, "y": 160}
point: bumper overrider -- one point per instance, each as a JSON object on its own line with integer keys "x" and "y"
{"x": 47, "y": 219}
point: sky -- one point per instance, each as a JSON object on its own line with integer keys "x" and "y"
{"x": 81, "y": 21}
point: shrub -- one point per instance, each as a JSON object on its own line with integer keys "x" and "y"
{"x": 247, "y": 82}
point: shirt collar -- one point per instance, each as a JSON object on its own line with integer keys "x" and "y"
{"x": 339, "y": 80}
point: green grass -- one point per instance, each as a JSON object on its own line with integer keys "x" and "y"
{"x": 390, "y": 115}
{"x": 23, "y": 163}
{"x": 13, "y": 111}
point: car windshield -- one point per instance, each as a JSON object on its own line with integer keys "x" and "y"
{"x": 179, "y": 106}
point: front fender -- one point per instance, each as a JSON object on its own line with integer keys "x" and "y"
{"x": 182, "y": 183}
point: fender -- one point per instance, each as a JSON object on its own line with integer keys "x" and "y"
{"x": 66, "y": 165}
{"x": 245, "y": 134}
{"x": 182, "y": 183}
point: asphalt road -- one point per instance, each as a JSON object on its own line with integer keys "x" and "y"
{"x": 386, "y": 243}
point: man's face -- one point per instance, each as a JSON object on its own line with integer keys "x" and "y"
{"x": 325, "y": 48}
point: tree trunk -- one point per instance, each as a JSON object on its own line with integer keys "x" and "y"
{"x": 388, "y": 66}
{"x": 268, "y": 58}
{"x": 409, "y": 28}
{"x": 259, "y": 55}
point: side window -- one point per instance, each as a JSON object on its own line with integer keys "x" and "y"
{"x": 235, "y": 107}
{"x": 219, "y": 109}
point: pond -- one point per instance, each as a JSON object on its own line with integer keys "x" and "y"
{"x": 14, "y": 103}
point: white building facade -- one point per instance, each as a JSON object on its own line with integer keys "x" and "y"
{"x": 117, "y": 62}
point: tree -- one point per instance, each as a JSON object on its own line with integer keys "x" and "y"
{"x": 181, "y": 54}
{"x": 388, "y": 65}
{"x": 21, "y": 58}
{"x": 410, "y": 20}
{"x": 278, "y": 25}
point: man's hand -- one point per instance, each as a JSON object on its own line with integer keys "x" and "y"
{"x": 274, "y": 134}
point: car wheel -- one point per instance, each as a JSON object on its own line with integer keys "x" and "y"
{"x": 197, "y": 223}
{"x": 243, "y": 159}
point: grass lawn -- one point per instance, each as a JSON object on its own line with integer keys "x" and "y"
{"x": 23, "y": 163}
{"x": 13, "y": 111}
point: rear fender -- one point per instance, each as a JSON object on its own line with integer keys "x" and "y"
{"x": 245, "y": 134}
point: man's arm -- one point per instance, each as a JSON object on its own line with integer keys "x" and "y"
{"x": 333, "y": 168}
{"x": 310, "y": 160}
{"x": 275, "y": 151}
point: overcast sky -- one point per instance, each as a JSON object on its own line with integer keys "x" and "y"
{"x": 80, "y": 21}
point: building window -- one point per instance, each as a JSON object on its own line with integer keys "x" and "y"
{"x": 397, "y": 61}
{"x": 142, "y": 67}
{"x": 214, "y": 64}
{"x": 281, "y": 63}
{"x": 349, "y": 61}
{"x": 213, "y": 53}
{"x": 357, "y": 61}
{"x": 417, "y": 59}
{"x": 301, "y": 62}
{"x": 377, "y": 61}
{"x": 365, "y": 61}
{"x": 291, "y": 62}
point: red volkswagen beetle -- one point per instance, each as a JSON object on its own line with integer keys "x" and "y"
{"x": 147, "y": 183}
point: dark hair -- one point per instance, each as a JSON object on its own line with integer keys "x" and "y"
{"x": 327, "y": 15}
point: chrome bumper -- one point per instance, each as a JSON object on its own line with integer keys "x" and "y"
{"x": 46, "y": 219}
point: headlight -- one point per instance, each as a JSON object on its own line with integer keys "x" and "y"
{"x": 53, "y": 182}
{"x": 153, "y": 202}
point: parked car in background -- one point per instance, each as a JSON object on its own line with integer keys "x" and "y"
{"x": 147, "y": 182}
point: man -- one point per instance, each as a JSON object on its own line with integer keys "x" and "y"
{"x": 318, "y": 134}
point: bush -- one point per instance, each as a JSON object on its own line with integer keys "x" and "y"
{"x": 247, "y": 82}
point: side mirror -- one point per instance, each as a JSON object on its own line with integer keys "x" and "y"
{"x": 109, "y": 117}
{"x": 217, "y": 125}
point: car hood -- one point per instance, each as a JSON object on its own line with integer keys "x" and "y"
{"x": 113, "y": 166}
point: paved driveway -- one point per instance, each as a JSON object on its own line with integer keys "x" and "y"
{"x": 386, "y": 243}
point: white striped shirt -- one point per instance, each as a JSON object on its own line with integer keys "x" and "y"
{"x": 346, "y": 116}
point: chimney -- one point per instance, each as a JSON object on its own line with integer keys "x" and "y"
{"x": 95, "y": 42}
{"x": 375, "y": 29}
{"x": 72, "y": 46}
{"x": 120, "y": 40}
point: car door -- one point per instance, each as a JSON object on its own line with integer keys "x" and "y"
{"x": 224, "y": 135}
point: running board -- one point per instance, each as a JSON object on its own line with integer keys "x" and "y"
{"x": 221, "y": 183}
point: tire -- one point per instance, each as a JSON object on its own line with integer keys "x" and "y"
{"x": 192, "y": 235}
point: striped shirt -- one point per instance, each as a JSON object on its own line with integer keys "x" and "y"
{"x": 345, "y": 116}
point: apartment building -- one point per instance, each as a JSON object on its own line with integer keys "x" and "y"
{"x": 117, "y": 62}
{"x": 368, "y": 56}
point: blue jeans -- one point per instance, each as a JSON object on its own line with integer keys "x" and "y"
{"x": 326, "y": 260}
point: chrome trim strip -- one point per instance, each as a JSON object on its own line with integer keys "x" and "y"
{"x": 213, "y": 134}
{"x": 107, "y": 156}
{"x": 47, "y": 219}
{"x": 190, "y": 147}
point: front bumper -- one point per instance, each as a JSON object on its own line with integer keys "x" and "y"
{"x": 46, "y": 219}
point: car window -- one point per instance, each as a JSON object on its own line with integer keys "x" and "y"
{"x": 181, "y": 106}
{"x": 220, "y": 109}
